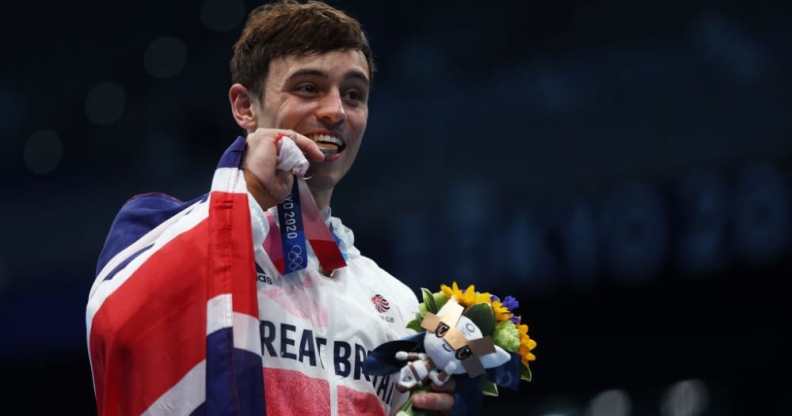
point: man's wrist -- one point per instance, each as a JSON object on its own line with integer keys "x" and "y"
{"x": 260, "y": 194}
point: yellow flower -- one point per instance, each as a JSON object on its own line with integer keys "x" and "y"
{"x": 451, "y": 292}
{"x": 526, "y": 356}
{"x": 469, "y": 297}
{"x": 466, "y": 298}
{"x": 526, "y": 344}
{"x": 501, "y": 312}
{"x": 484, "y": 297}
{"x": 523, "y": 328}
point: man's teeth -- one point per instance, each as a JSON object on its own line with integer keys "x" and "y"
{"x": 328, "y": 139}
{"x": 329, "y": 144}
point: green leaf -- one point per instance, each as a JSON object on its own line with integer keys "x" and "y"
{"x": 481, "y": 314}
{"x": 415, "y": 324}
{"x": 440, "y": 299}
{"x": 489, "y": 388}
{"x": 428, "y": 300}
{"x": 406, "y": 409}
{"x": 526, "y": 374}
{"x": 422, "y": 309}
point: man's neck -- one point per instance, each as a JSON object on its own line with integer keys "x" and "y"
{"x": 321, "y": 196}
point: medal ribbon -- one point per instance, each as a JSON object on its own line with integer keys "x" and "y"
{"x": 295, "y": 254}
{"x": 299, "y": 218}
{"x": 322, "y": 240}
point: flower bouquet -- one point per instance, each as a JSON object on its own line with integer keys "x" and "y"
{"x": 475, "y": 337}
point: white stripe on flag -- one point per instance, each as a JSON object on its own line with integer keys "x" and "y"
{"x": 218, "y": 313}
{"x": 247, "y": 335}
{"x": 229, "y": 180}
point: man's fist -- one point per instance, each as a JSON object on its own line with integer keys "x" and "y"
{"x": 267, "y": 184}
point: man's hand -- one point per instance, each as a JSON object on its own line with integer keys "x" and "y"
{"x": 441, "y": 400}
{"x": 268, "y": 185}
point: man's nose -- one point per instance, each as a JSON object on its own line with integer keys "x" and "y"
{"x": 331, "y": 110}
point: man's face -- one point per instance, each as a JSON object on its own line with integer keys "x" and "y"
{"x": 322, "y": 96}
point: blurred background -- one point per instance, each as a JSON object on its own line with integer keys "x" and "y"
{"x": 621, "y": 167}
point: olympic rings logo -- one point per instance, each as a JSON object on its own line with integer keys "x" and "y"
{"x": 295, "y": 257}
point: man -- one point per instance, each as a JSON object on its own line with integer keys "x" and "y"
{"x": 301, "y": 71}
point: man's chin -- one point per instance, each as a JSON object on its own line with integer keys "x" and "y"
{"x": 326, "y": 175}
{"x": 319, "y": 178}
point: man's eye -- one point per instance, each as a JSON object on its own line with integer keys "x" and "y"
{"x": 306, "y": 88}
{"x": 354, "y": 96}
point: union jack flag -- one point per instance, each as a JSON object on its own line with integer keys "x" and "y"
{"x": 172, "y": 317}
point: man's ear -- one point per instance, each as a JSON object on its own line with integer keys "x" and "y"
{"x": 242, "y": 107}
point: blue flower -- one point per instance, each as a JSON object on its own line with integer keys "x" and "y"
{"x": 511, "y": 303}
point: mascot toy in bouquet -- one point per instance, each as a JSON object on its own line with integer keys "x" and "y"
{"x": 471, "y": 336}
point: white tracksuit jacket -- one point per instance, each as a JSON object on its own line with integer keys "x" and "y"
{"x": 316, "y": 330}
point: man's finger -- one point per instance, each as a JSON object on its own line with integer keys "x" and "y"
{"x": 305, "y": 144}
{"x": 441, "y": 402}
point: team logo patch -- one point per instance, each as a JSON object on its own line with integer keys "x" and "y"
{"x": 262, "y": 276}
{"x": 380, "y": 303}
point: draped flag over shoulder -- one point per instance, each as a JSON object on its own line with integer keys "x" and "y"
{"x": 172, "y": 317}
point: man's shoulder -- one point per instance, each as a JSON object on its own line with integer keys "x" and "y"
{"x": 139, "y": 215}
{"x": 387, "y": 281}
{"x": 346, "y": 240}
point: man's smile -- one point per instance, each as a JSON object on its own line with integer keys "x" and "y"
{"x": 331, "y": 144}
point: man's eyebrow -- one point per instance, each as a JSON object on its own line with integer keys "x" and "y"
{"x": 308, "y": 72}
{"x": 355, "y": 74}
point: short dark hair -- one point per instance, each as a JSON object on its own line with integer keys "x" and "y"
{"x": 288, "y": 27}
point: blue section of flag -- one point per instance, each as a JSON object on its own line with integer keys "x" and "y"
{"x": 249, "y": 382}
{"x": 295, "y": 253}
{"x": 233, "y": 156}
{"x": 141, "y": 214}
{"x": 233, "y": 387}
{"x": 219, "y": 373}
{"x": 200, "y": 410}
{"x": 233, "y": 381}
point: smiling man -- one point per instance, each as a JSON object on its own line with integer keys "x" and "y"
{"x": 318, "y": 99}
{"x": 302, "y": 71}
